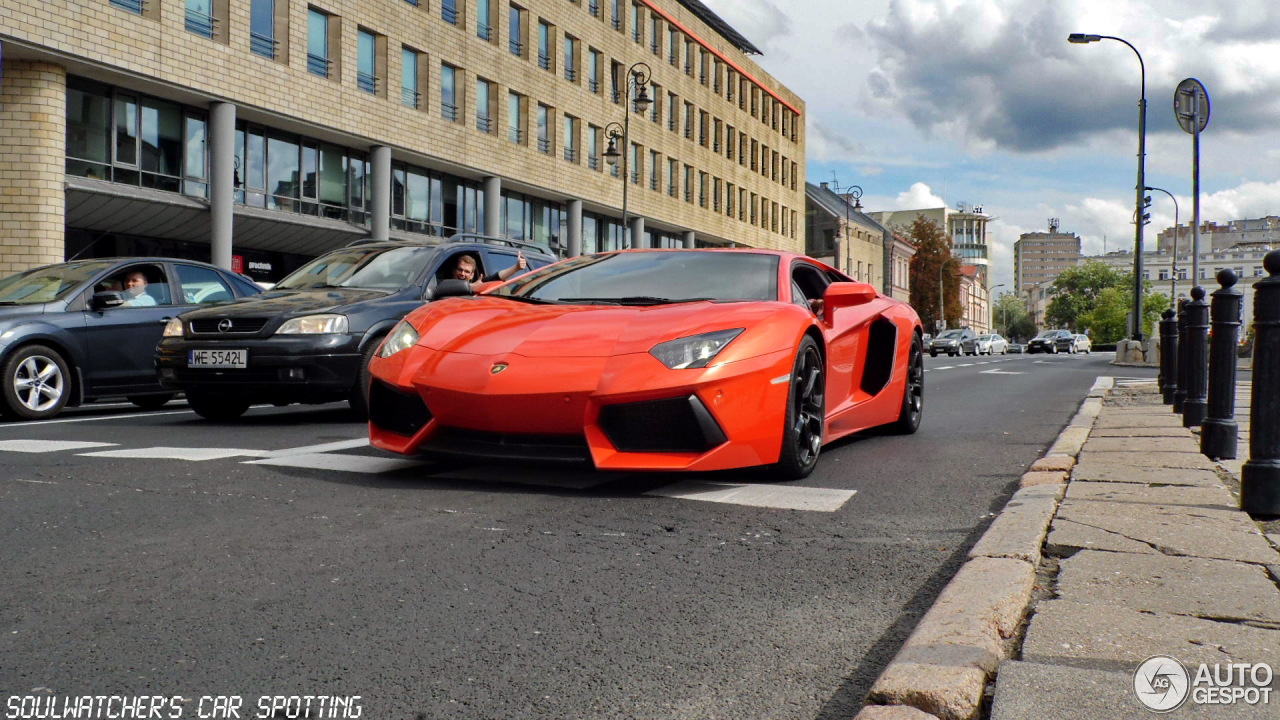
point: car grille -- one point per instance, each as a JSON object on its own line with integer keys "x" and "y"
{"x": 676, "y": 425}
{"x": 508, "y": 446}
{"x": 234, "y": 326}
{"x": 396, "y": 412}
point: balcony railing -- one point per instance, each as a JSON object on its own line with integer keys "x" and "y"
{"x": 593, "y": 162}
{"x": 655, "y": 47}
{"x": 367, "y": 82}
{"x": 653, "y": 183}
{"x": 616, "y": 95}
{"x": 571, "y": 155}
{"x": 544, "y": 61}
{"x": 199, "y": 23}
{"x": 516, "y": 47}
{"x": 544, "y": 146}
{"x": 593, "y": 8}
{"x": 672, "y": 190}
{"x": 262, "y": 45}
{"x": 613, "y": 170}
{"x": 570, "y": 74}
{"x": 134, "y": 6}
{"x": 636, "y": 35}
{"x": 318, "y": 65}
{"x": 593, "y": 86}
{"x": 671, "y": 124}
{"x": 449, "y": 14}
{"x": 635, "y": 177}
{"x": 688, "y": 132}
{"x": 616, "y": 23}
{"x": 688, "y": 195}
{"x": 449, "y": 112}
{"x": 484, "y": 31}
{"x": 411, "y": 97}
{"x": 484, "y": 123}
{"x": 515, "y": 135}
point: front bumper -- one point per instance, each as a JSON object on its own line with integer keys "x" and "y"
{"x": 297, "y": 368}
{"x": 616, "y": 413}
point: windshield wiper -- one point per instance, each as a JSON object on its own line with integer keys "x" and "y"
{"x": 526, "y": 299}
{"x": 635, "y": 300}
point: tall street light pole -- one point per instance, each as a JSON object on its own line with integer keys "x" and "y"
{"x": 1139, "y": 216}
{"x": 855, "y": 192}
{"x": 1173, "y": 270}
{"x": 991, "y": 294}
{"x": 638, "y": 80}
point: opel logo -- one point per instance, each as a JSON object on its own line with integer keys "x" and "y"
{"x": 224, "y": 325}
{"x": 497, "y": 368}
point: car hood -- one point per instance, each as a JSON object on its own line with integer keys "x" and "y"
{"x": 495, "y": 326}
{"x": 289, "y": 303}
{"x": 16, "y": 312}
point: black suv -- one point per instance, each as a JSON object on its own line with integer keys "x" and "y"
{"x": 309, "y": 339}
{"x": 1053, "y": 341}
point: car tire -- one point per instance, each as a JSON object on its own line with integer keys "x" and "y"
{"x": 805, "y": 416}
{"x": 912, "y": 394}
{"x": 933, "y": 353}
{"x": 36, "y": 384}
{"x": 216, "y": 407}
{"x": 359, "y": 395}
{"x": 150, "y": 402}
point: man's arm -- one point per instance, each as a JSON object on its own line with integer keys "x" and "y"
{"x": 520, "y": 266}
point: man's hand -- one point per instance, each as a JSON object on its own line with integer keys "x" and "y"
{"x": 520, "y": 261}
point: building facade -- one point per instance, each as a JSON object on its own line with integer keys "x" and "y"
{"x": 836, "y": 221}
{"x": 966, "y": 226}
{"x": 264, "y": 132}
{"x": 1038, "y": 257}
{"x": 975, "y": 300}
{"x": 1215, "y": 237}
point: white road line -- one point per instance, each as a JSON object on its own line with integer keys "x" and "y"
{"x": 342, "y": 463}
{"x": 91, "y": 419}
{"x": 783, "y": 497}
{"x": 995, "y": 371}
{"x": 322, "y": 447}
{"x": 945, "y": 367}
{"x": 46, "y": 446}
{"x": 177, "y": 453}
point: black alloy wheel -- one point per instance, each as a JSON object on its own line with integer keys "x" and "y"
{"x": 806, "y": 414}
{"x": 913, "y": 393}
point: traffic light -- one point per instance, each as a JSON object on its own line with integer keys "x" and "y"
{"x": 1146, "y": 204}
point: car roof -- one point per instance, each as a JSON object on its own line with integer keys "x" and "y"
{"x": 463, "y": 240}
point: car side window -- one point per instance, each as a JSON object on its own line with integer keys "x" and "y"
{"x": 201, "y": 286}
{"x": 143, "y": 285}
{"x": 500, "y": 260}
{"x": 810, "y": 283}
{"x": 446, "y": 271}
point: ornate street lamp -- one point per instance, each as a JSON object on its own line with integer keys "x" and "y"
{"x": 1139, "y": 215}
{"x": 855, "y": 192}
{"x": 637, "y": 79}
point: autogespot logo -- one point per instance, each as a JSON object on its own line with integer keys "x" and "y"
{"x": 1161, "y": 683}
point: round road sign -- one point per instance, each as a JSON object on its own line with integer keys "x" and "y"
{"x": 1191, "y": 102}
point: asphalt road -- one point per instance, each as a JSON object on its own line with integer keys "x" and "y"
{"x": 159, "y": 554}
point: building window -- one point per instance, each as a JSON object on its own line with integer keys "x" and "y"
{"x": 673, "y": 105}
{"x": 655, "y": 170}
{"x": 515, "y": 40}
{"x": 688, "y": 183}
{"x": 637, "y": 29}
{"x": 673, "y": 46}
{"x": 484, "y": 27}
{"x": 673, "y": 177}
{"x": 617, "y": 81}
{"x": 410, "y": 94}
{"x": 655, "y": 108}
{"x": 484, "y": 116}
{"x": 544, "y": 129}
{"x": 544, "y": 45}
{"x": 593, "y": 147}
{"x": 366, "y": 61}
{"x": 616, "y": 14}
{"x": 448, "y": 93}
{"x": 570, "y": 58}
{"x": 133, "y": 6}
{"x": 655, "y": 34}
{"x": 636, "y": 164}
{"x": 570, "y": 138}
{"x": 318, "y": 61}
{"x": 449, "y": 11}
{"x": 593, "y": 70}
{"x": 199, "y": 17}
{"x": 515, "y": 126}
{"x": 688, "y": 120}
{"x": 262, "y": 28}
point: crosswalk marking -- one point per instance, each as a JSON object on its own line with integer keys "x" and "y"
{"x": 177, "y": 453}
{"x": 45, "y": 446}
{"x": 784, "y": 497}
{"x": 322, "y": 447}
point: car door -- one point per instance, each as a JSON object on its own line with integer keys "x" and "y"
{"x": 121, "y": 341}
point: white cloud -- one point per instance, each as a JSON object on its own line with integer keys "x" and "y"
{"x": 918, "y": 197}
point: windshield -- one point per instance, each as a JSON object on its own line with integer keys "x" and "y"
{"x": 651, "y": 278}
{"x": 984, "y": 338}
{"x": 1047, "y": 334}
{"x": 951, "y": 335}
{"x": 45, "y": 284}
{"x": 379, "y": 268}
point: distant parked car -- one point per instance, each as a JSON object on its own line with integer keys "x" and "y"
{"x": 950, "y": 341}
{"x": 1083, "y": 344}
{"x": 986, "y": 345}
{"x": 76, "y": 331}
{"x": 1016, "y": 348}
{"x": 1052, "y": 341}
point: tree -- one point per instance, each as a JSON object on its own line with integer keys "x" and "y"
{"x": 1010, "y": 312}
{"x": 933, "y": 256}
{"x": 1077, "y": 290}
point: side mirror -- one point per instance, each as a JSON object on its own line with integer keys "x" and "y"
{"x": 106, "y": 299}
{"x": 845, "y": 294}
{"x": 452, "y": 288}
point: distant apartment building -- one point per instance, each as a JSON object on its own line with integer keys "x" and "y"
{"x": 966, "y": 226}
{"x": 1038, "y": 257}
{"x": 1215, "y": 237}
{"x": 975, "y": 300}
{"x": 868, "y": 251}
{"x": 264, "y": 132}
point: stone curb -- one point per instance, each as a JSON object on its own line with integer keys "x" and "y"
{"x": 944, "y": 667}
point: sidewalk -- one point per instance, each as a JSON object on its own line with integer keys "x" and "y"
{"x": 1124, "y": 543}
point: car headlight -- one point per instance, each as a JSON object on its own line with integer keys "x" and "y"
{"x": 173, "y": 328}
{"x": 694, "y": 351}
{"x": 401, "y": 337}
{"x": 314, "y": 325}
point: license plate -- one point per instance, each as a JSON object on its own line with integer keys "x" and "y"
{"x": 234, "y": 359}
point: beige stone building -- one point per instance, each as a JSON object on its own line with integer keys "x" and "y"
{"x": 1038, "y": 257}
{"x": 263, "y": 132}
{"x": 966, "y": 226}
{"x": 839, "y": 233}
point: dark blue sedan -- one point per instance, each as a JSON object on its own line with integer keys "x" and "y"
{"x": 79, "y": 331}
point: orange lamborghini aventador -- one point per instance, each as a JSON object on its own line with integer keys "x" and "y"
{"x": 650, "y": 360}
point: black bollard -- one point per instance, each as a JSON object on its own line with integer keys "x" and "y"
{"x": 1194, "y": 406}
{"x": 1219, "y": 432}
{"x": 1180, "y": 373}
{"x": 1260, "y": 478}
{"x": 1168, "y": 355}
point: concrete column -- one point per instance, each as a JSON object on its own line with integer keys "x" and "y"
{"x": 688, "y": 239}
{"x": 222, "y": 186}
{"x": 575, "y": 228}
{"x": 493, "y": 207}
{"x": 637, "y": 233}
{"x": 33, "y": 98}
{"x": 380, "y": 166}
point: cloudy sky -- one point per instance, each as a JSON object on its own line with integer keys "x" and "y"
{"x": 925, "y": 103}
